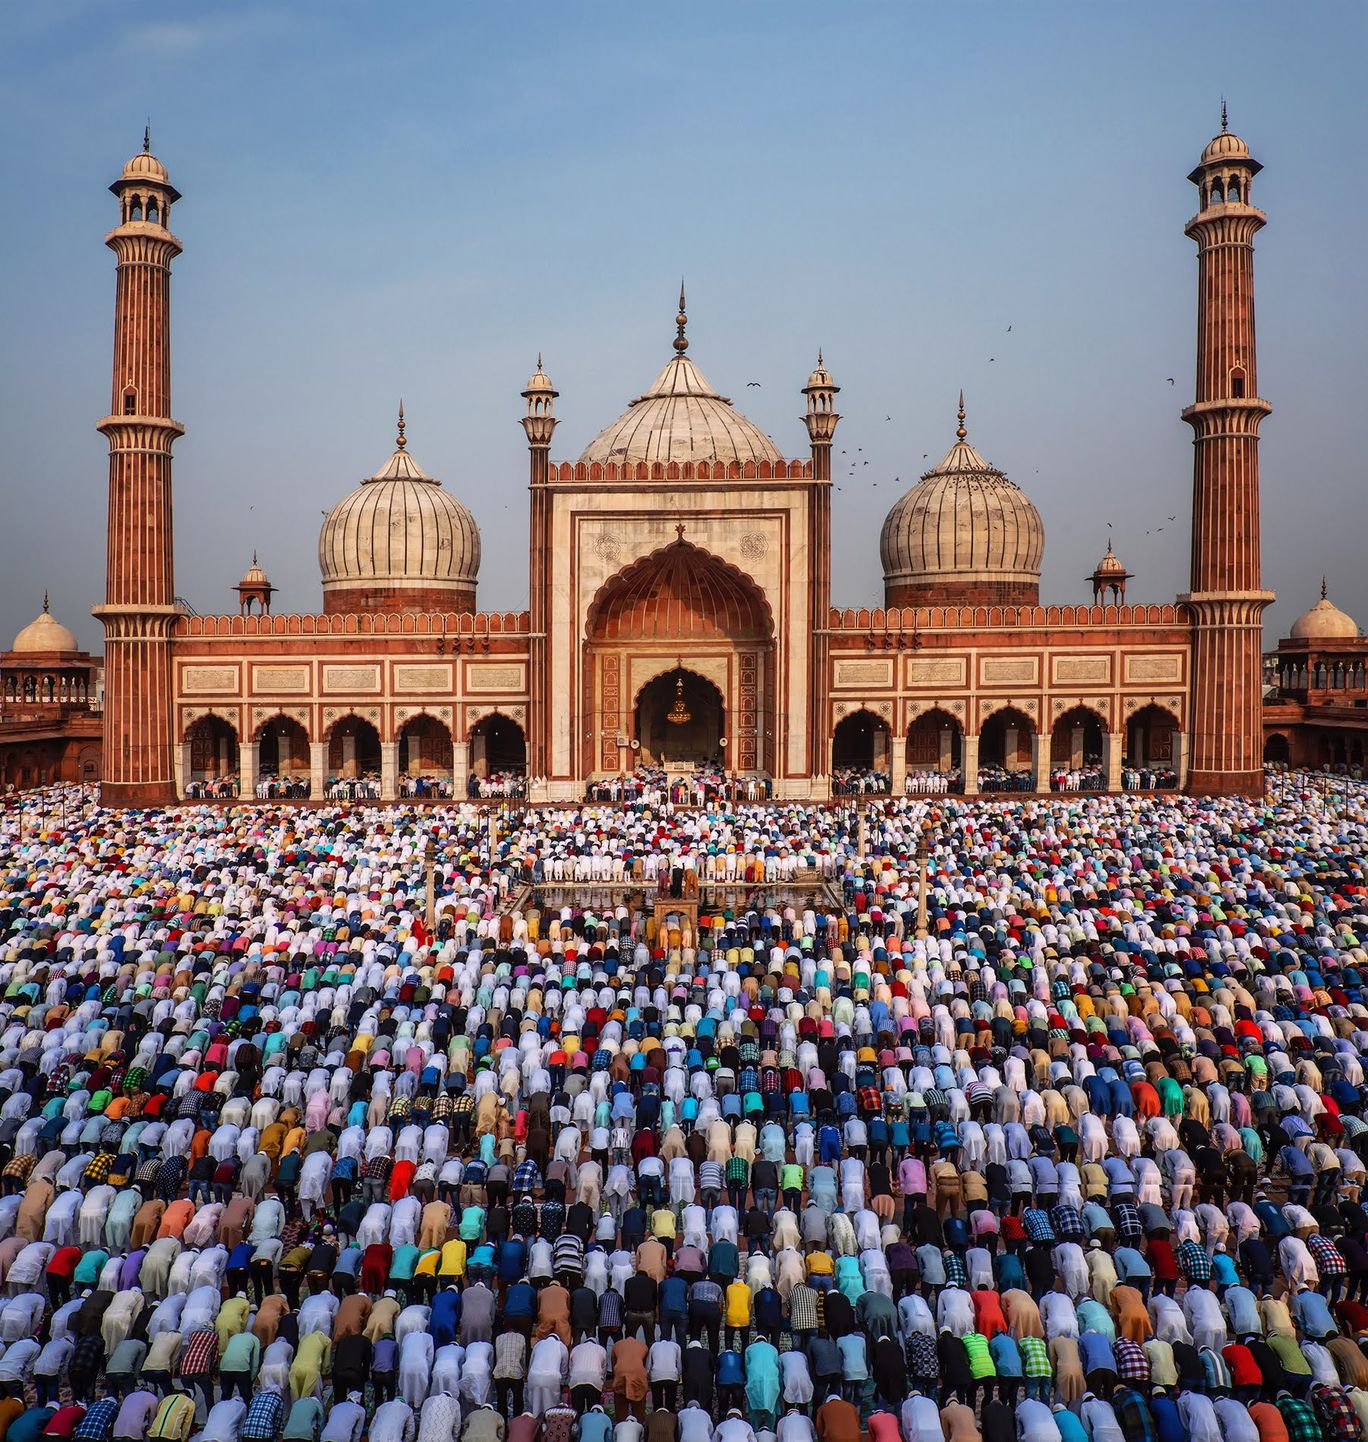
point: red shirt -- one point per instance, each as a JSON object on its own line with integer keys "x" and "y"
{"x": 64, "y": 1421}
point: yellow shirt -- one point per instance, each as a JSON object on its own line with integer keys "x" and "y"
{"x": 738, "y": 1305}
{"x": 663, "y": 1224}
{"x": 453, "y": 1263}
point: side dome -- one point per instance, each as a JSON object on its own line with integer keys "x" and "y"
{"x": 963, "y": 535}
{"x": 681, "y": 418}
{"x": 44, "y": 634}
{"x": 1324, "y": 622}
{"x": 399, "y": 542}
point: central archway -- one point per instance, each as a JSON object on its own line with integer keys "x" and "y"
{"x": 679, "y": 614}
{"x": 680, "y": 719}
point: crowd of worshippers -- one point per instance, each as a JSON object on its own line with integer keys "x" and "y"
{"x": 1076, "y": 1156}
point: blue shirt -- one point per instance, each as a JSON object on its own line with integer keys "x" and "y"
{"x": 595, "y": 1426}
{"x": 1165, "y": 1413}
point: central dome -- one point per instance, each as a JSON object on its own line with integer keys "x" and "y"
{"x": 681, "y": 418}
{"x": 399, "y": 542}
{"x": 963, "y": 535}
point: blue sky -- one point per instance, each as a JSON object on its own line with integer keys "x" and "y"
{"x": 413, "y": 199}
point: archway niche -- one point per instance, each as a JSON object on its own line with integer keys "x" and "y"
{"x": 1077, "y": 739}
{"x": 680, "y": 720}
{"x": 498, "y": 745}
{"x": 425, "y": 748}
{"x": 1006, "y": 740}
{"x": 213, "y": 749}
{"x": 283, "y": 748}
{"x": 353, "y": 749}
{"x": 935, "y": 742}
{"x": 861, "y": 753}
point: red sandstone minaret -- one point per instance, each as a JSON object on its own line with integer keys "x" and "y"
{"x": 820, "y": 419}
{"x": 539, "y": 423}
{"x": 1227, "y": 599}
{"x": 140, "y": 604}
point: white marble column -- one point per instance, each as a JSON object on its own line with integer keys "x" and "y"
{"x": 1113, "y": 751}
{"x": 1179, "y": 763}
{"x": 460, "y": 767}
{"x": 899, "y": 765}
{"x": 248, "y": 754}
{"x": 318, "y": 770}
{"x": 389, "y": 770}
{"x": 183, "y": 770}
{"x": 969, "y": 751}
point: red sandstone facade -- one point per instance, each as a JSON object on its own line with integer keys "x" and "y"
{"x": 684, "y": 558}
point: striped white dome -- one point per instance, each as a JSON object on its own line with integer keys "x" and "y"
{"x": 399, "y": 528}
{"x": 964, "y": 521}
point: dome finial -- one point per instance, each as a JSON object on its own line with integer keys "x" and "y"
{"x": 819, "y": 356}
{"x": 961, "y": 432}
{"x": 47, "y": 610}
{"x": 254, "y": 559}
{"x": 1225, "y": 122}
{"x": 147, "y": 137}
{"x": 400, "y": 442}
{"x": 681, "y": 341}
{"x": 1324, "y": 589}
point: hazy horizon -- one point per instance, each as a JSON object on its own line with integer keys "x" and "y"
{"x": 414, "y": 201}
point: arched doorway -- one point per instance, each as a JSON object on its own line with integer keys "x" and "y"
{"x": 353, "y": 751}
{"x": 498, "y": 746}
{"x": 1077, "y": 742}
{"x": 283, "y": 748}
{"x": 425, "y": 754}
{"x": 680, "y": 720}
{"x": 1005, "y": 751}
{"x": 213, "y": 750}
{"x": 1152, "y": 746}
{"x": 680, "y": 601}
{"x": 1276, "y": 750}
{"x": 860, "y": 755}
{"x": 935, "y": 742}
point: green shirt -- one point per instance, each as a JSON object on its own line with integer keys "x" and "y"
{"x": 242, "y": 1354}
{"x": 980, "y": 1358}
{"x": 305, "y": 1421}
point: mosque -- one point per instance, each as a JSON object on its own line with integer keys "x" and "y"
{"x": 680, "y": 593}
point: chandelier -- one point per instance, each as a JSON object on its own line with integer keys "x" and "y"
{"x": 679, "y": 714}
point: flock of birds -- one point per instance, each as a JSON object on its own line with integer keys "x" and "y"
{"x": 897, "y": 480}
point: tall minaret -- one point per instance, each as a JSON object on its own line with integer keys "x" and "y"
{"x": 140, "y": 600}
{"x": 820, "y": 419}
{"x": 1227, "y": 598}
{"x": 539, "y": 423}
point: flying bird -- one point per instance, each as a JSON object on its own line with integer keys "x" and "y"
{"x": 752, "y": 383}
{"x": 888, "y": 418}
{"x": 1009, "y": 330}
{"x": 1169, "y": 379}
{"x": 991, "y": 359}
{"x": 1173, "y": 518}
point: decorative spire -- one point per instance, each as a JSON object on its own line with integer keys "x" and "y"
{"x": 539, "y": 360}
{"x": 961, "y": 432}
{"x": 681, "y": 341}
{"x": 1225, "y": 123}
{"x": 254, "y": 559}
{"x": 1323, "y": 591}
{"x": 819, "y": 357}
{"x": 400, "y": 442}
{"x": 147, "y": 137}
{"x": 46, "y": 609}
